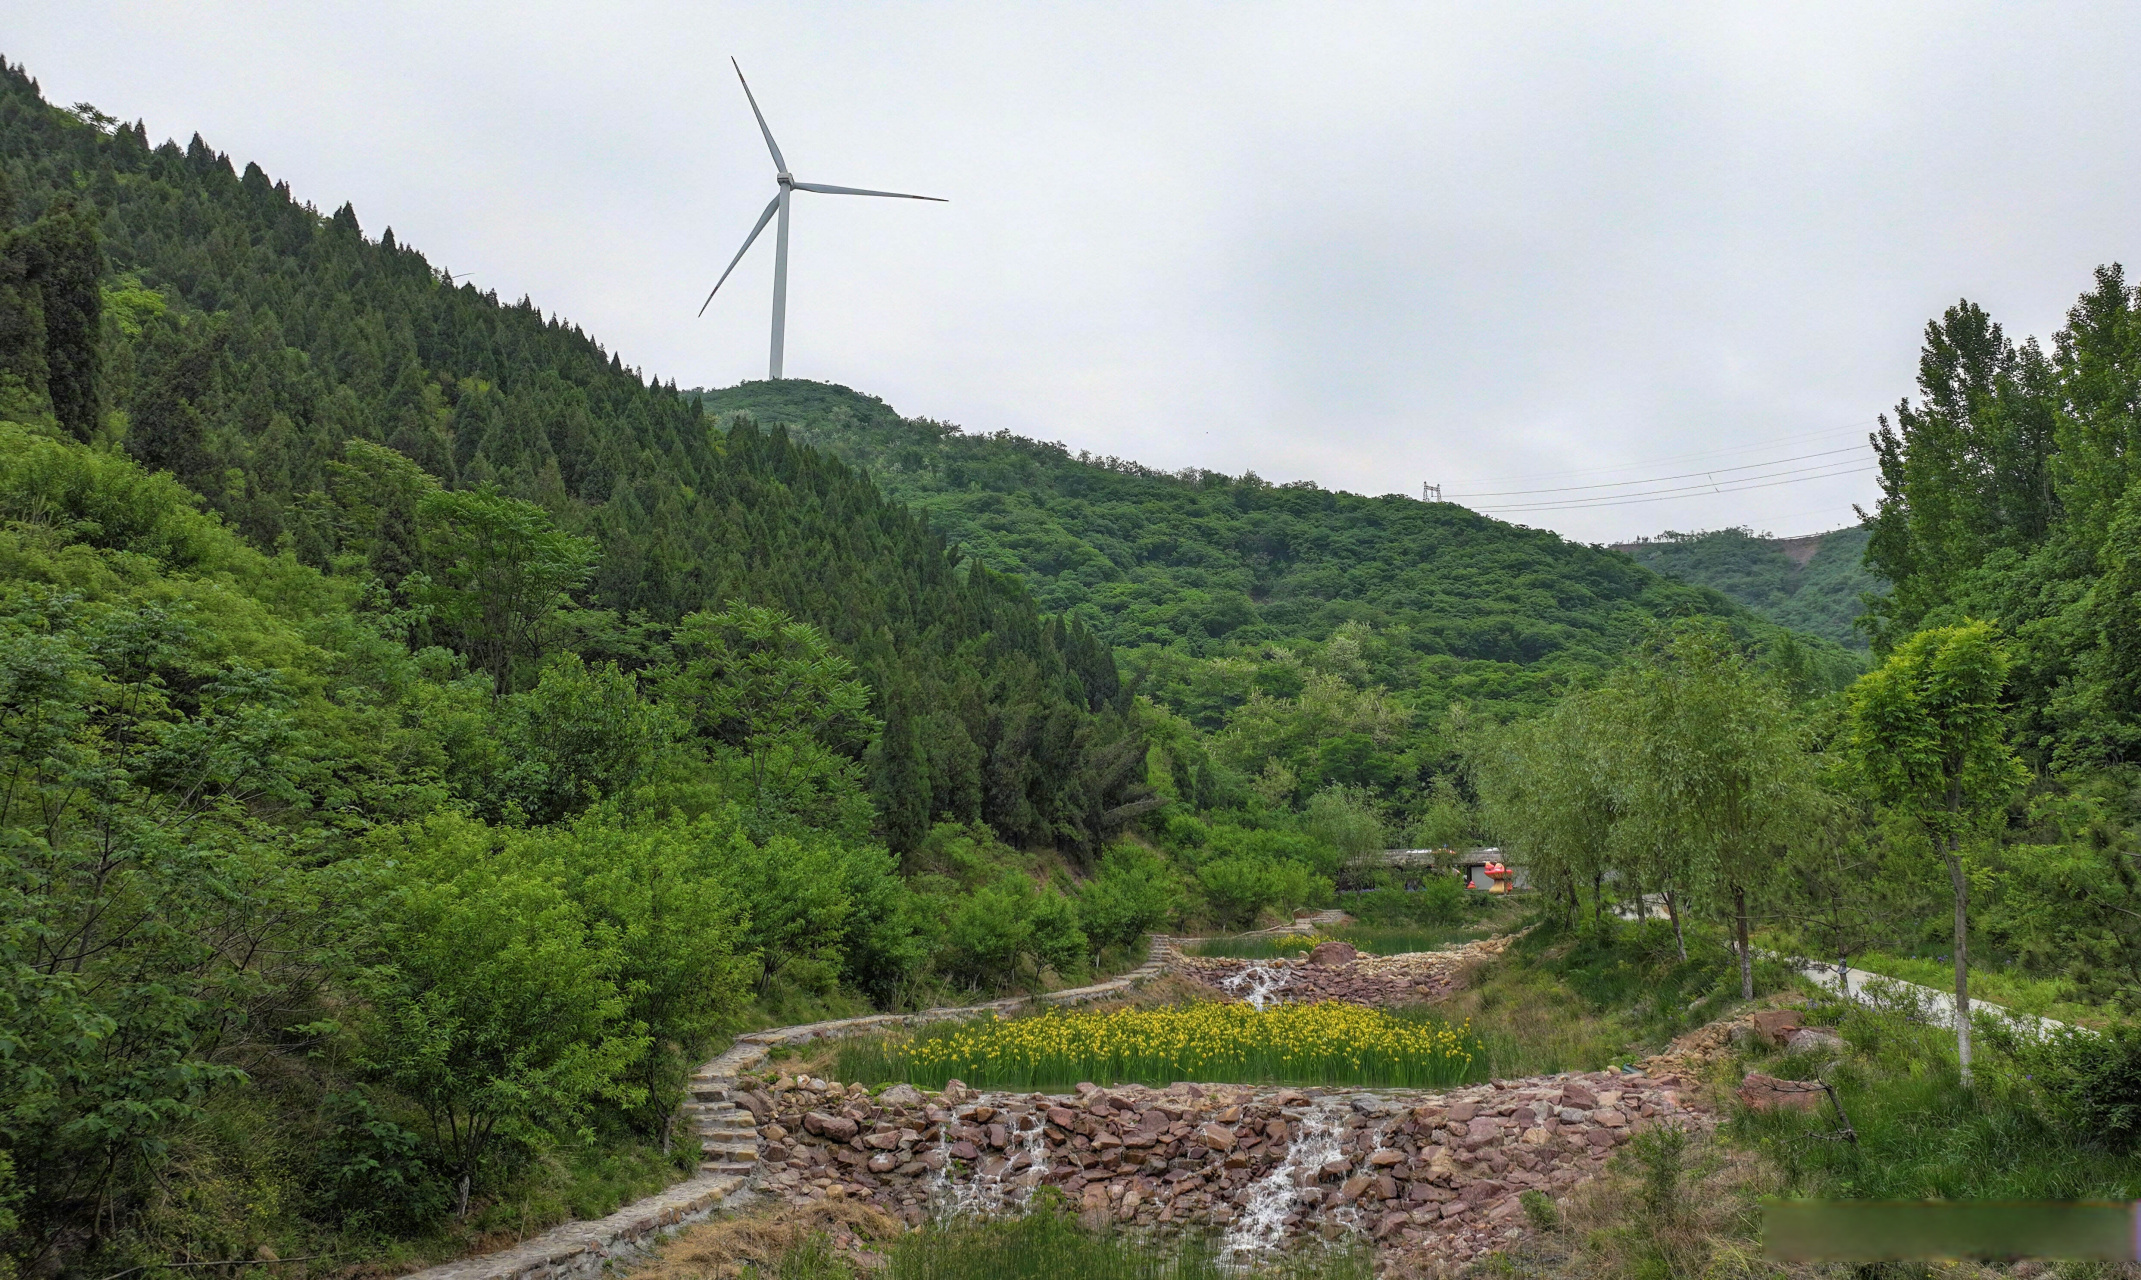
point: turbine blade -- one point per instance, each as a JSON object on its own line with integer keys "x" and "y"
{"x": 822, "y": 189}
{"x": 748, "y": 240}
{"x": 775, "y": 147}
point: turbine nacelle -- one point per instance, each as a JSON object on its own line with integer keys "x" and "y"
{"x": 787, "y": 184}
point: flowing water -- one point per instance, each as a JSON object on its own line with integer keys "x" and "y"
{"x": 1261, "y": 1227}
{"x": 1259, "y": 984}
{"x": 1000, "y": 1184}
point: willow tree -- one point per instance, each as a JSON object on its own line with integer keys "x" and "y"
{"x": 1714, "y": 772}
{"x": 1926, "y": 740}
{"x": 1546, "y": 789}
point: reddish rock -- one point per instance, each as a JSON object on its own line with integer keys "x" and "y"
{"x": 1216, "y": 1137}
{"x": 1332, "y": 953}
{"x": 1776, "y": 1025}
{"x": 1768, "y": 1093}
{"x": 838, "y": 1128}
{"x": 1576, "y": 1095}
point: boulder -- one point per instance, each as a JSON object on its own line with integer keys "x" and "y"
{"x": 1768, "y": 1093}
{"x": 900, "y": 1095}
{"x": 838, "y": 1128}
{"x": 1333, "y": 953}
{"x": 1814, "y": 1040}
{"x": 1776, "y": 1025}
{"x": 1216, "y": 1137}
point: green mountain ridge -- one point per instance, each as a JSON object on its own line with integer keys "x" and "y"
{"x": 1816, "y": 583}
{"x": 1200, "y": 563}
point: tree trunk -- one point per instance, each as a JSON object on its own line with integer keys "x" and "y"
{"x": 1642, "y": 912}
{"x": 1962, "y": 973}
{"x": 1598, "y": 897}
{"x": 1672, "y": 908}
{"x": 1739, "y": 911}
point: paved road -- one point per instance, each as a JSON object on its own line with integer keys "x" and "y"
{"x": 1880, "y": 991}
{"x": 1935, "y": 1006}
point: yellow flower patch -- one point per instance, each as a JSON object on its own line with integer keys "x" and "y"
{"x": 1329, "y": 1043}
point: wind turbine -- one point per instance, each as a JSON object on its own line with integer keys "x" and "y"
{"x": 779, "y": 205}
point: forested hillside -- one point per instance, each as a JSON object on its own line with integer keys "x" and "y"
{"x": 1816, "y": 584}
{"x": 252, "y": 341}
{"x": 1165, "y": 566}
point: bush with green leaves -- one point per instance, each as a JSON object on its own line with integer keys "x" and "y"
{"x": 2090, "y": 1081}
{"x": 1440, "y": 899}
{"x": 1134, "y": 892}
{"x": 1012, "y": 929}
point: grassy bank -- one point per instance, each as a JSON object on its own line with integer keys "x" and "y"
{"x": 838, "y": 1241}
{"x": 2045, "y": 997}
{"x": 1283, "y": 946}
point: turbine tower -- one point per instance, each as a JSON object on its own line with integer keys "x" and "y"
{"x": 779, "y": 205}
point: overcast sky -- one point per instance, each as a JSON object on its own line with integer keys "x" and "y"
{"x": 1502, "y": 248}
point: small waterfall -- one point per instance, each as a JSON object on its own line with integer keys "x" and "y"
{"x": 995, "y": 1188}
{"x": 1258, "y": 984}
{"x": 1261, "y": 1228}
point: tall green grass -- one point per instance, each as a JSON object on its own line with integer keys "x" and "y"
{"x": 1237, "y": 947}
{"x": 1048, "y": 1244}
{"x": 1921, "y": 1134}
{"x": 1397, "y": 939}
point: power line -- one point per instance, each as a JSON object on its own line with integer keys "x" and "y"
{"x": 1622, "y": 484}
{"x": 1695, "y": 491}
{"x": 1683, "y": 457}
{"x": 1709, "y": 487}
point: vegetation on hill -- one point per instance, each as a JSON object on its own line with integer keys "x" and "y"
{"x": 1202, "y": 562}
{"x": 311, "y": 384}
{"x": 1820, "y": 590}
{"x": 424, "y": 738}
{"x": 1973, "y": 798}
{"x": 1297, "y": 649}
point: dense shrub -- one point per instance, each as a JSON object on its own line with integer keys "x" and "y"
{"x": 2090, "y": 1081}
{"x": 1439, "y": 900}
{"x": 1134, "y": 892}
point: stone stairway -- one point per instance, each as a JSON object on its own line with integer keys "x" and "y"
{"x": 728, "y": 1133}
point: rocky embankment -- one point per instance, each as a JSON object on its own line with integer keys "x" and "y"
{"x": 1334, "y": 971}
{"x": 1433, "y": 1173}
